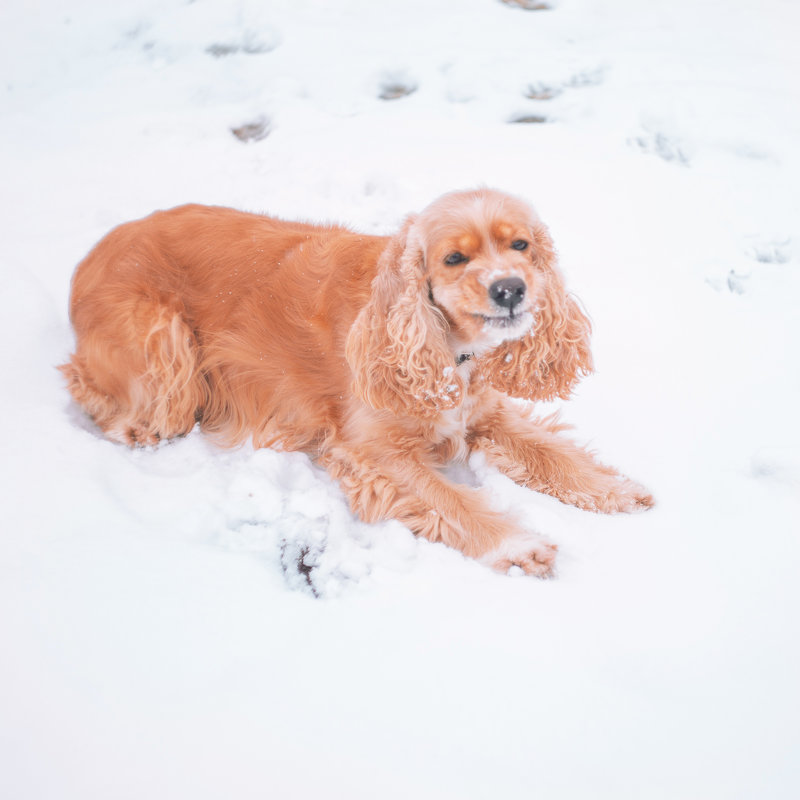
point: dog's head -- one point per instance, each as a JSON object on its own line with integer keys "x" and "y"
{"x": 474, "y": 274}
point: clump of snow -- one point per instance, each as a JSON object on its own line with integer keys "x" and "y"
{"x": 187, "y": 621}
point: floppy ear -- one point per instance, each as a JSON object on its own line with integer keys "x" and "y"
{"x": 549, "y": 360}
{"x": 397, "y": 347}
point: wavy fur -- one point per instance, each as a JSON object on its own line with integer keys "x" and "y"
{"x": 383, "y": 357}
{"x": 397, "y": 346}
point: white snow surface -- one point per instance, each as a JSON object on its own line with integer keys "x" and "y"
{"x": 159, "y": 638}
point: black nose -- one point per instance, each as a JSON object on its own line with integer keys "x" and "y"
{"x": 508, "y": 292}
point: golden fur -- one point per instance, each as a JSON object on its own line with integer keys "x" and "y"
{"x": 384, "y": 357}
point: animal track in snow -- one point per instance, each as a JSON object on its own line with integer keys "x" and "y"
{"x": 659, "y": 144}
{"x": 768, "y": 250}
{"x": 736, "y": 283}
{"x": 543, "y": 91}
{"x": 393, "y": 88}
{"x": 249, "y": 44}
{"x": 529, "y": 5}
{"x": 528, "y": 118}
{"x": 253, "y": 131}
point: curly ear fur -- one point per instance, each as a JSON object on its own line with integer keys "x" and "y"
{"x": 397, "y": 346}
{"x": 548, "y": 361}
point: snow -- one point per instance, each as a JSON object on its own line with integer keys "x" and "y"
{"x": 194, "y": 622}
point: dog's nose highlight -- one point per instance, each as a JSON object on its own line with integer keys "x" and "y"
{"x": 508, "y": 292}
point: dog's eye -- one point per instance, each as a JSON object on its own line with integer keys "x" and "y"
{"x": 455, "y": 258}
{"x": 519, "y": 244}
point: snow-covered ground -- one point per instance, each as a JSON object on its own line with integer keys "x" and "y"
{"x": 157, "y": 639}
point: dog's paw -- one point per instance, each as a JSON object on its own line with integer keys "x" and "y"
{"x": 626, "y": 496}
{"x": 631, "y": 497}
{"x": 533, "y": 554}
{"x": 133, "y": 435}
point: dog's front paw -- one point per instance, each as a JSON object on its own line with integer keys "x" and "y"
{"x": 611, "y": 495}
{"x": 628, "y": 497}
{"x": 535, "y": 555}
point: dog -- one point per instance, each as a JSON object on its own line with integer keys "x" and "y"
{"x": 385, "y": 358}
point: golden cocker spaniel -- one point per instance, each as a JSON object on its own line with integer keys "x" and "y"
{"x": 384, "y": 357}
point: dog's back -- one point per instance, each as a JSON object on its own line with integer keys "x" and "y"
{"x": 214, "y": 315}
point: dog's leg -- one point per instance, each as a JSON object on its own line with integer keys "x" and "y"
{"x": 406, "y": 489}
{"x": 534, "y": 454}
{"x": 135, "y": 373}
